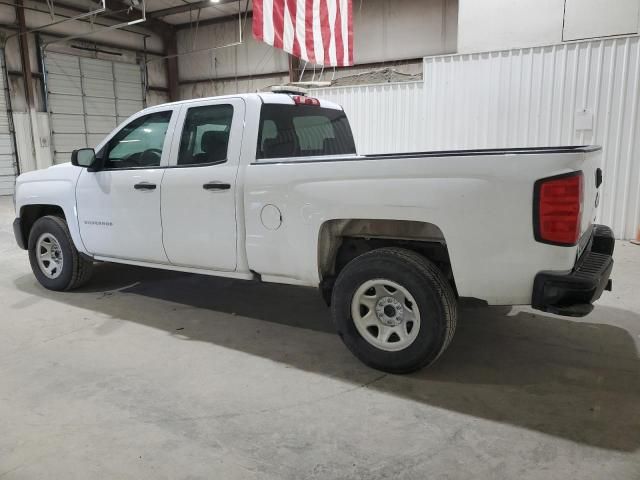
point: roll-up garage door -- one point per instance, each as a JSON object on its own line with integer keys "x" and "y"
{"x": 88, "y": 98}
{"x": 7, "y": 154}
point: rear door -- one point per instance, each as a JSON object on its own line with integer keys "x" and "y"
{"x": 199, "y": 187}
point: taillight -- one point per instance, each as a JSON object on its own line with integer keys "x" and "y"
{"x": 557, "y": 209}
{"x": 300, "y": 100}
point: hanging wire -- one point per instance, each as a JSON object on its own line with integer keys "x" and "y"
{"x": 195, "y": 33}
{"x": 303, "y": 69}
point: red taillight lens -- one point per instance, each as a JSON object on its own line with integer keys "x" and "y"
{"x": 558, "y": 209}
{"x": 300, "y": 100}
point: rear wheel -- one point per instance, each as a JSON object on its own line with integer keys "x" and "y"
{"x": 54, "y": 259}
{"x": 394, "y": 310}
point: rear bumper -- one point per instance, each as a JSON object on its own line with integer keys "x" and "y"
{"x": 17, "y": 231}
{"x": 572, "y": 293}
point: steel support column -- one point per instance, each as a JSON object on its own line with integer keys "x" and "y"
{"x": 171, "y": 48}
{"x": 23, "y": 40}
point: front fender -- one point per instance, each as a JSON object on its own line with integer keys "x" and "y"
{"x": 56, "y": 187}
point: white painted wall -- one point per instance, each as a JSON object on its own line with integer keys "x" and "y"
{"x": 33, "y": 136}
{"x": 387, "y": 30}
{"x": 500, "y": 24}
{"x": 384, "y": 31}
{"x": 600, "y": 18}
{"x": 249, "y": 58}
{"x": 504, "y": 24}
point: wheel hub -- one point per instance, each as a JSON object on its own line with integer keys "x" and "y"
{"x": 49, "y": 255}
{"x": 385, "y": 314}
{"x": 389, "y": 311}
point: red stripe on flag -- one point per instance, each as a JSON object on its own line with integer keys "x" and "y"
{"x": 337, "y": 28}
{"x": 292, "y": 6}
{"x": 325, "y": 29}
{"x": 308, "y": 31}
{"x": 257, "y": 20}
{"x": 278, "y": 23}
{"x": 350, "y": 32}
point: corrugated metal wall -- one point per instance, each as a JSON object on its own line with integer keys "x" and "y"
{"x": 388, "y": 117}
{"x": 574, "y": 93}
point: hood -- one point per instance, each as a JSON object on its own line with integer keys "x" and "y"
{"x": 62, "y": 171}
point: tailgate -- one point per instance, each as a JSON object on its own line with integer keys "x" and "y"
{"x": 592, "y": 175}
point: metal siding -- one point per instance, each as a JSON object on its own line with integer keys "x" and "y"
{"x": 65, "y": 104}
{"x": 128, "y": 91}
{"x": 97, "y": 87}
{"x": 67, "y": 123}
{"x": 383, "y": 117}
{"x": 67, "y": 65}
{"x": 100, "y": 124}
{"x": 99, "y": 106}
{"x": 7, "y": 155}
{"x": 64, "y": 85}
{"x": 126, "y": 72}
{"x": 87, "y": 99}
{"x": 126, "y": 108}
{"x": 92, "y": 68}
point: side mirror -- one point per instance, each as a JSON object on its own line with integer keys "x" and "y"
{"x": 83, "y": 157}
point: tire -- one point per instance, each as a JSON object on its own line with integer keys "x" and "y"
{"x": 401, "y": 279}
{"x": 64, "y": 268}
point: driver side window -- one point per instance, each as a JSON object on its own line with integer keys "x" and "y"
{"x": 139, "y": 143}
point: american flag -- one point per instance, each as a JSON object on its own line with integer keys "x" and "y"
{"x": 318, "y": 31}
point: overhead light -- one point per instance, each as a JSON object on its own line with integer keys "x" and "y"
{"x": 214, "y": 1}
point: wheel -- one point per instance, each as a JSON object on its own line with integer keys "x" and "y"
{"x": 54, "y": 259}
{"x": 394, "y": 310}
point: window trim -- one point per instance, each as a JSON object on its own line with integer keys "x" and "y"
{"x": 179, "y": 137}
{"x": 258, "y": 158}
{"x": 235, "y": 136}
{"x": 166, "y": 147}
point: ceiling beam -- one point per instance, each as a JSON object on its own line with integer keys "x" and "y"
{"x": 156, "y": 26}
{"x": 115, "y": 9}
{"x": 187, "y": 7}
{"x": 213, "y": 21}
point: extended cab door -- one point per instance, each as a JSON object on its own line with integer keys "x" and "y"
{"x": 199, "y": 186}
{"x": 119, "y": 206}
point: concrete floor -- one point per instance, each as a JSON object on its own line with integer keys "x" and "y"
{"x": 153, "y": 374}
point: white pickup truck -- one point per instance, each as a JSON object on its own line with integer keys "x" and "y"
{"x": 269, "y": 187}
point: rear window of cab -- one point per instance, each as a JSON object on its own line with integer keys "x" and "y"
{"x": 303, "y": 131}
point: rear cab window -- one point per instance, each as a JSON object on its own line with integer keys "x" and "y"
{"x": 303, "y": 131}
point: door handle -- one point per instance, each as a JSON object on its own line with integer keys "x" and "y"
{"x": 216, "y": 186}
{"x": 145, "y": 186}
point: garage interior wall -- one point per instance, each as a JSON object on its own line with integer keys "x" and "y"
{"x": 498, "y": 24}
{"x": 8, "y": 165}
{"x": 128, "y": 48}
{"x": 395, "y": 32}
{"x": 88, "y": 98}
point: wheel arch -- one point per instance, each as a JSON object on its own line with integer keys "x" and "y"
{"x": 341, "y": 240}
{"x": 30, "y": 213}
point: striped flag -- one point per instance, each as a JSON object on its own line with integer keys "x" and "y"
{"x": 318, "y": 31}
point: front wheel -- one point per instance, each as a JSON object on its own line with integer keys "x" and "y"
{"x": 54, "y": 259}
{"x": 394, "y": 309}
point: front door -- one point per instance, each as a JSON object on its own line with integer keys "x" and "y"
{"x": 119, "y": 206}
{"x": 199, "y": 186}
